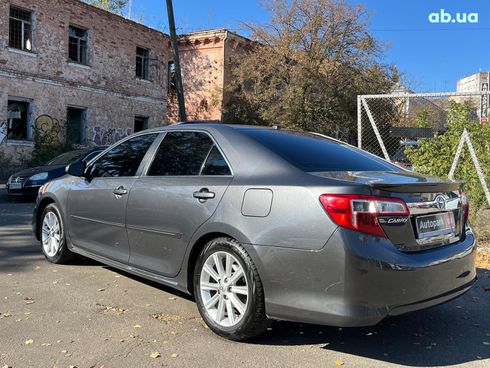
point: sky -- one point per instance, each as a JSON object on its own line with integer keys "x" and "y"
{"x": 432, "y": 55}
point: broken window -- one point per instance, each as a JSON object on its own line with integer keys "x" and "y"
{"x": 75, "y": 127}
{"x": 172, "y": 81}
{"x": 18, "y": 115}
{"x": 20, "y": 29}
{"x": 140, "y": 123}
{"x": 77, "y": 47}
{"x": 142, "y": 63}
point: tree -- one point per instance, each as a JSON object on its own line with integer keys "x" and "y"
{"x": 307, "y": 66}
{"x": 114, "y": 6}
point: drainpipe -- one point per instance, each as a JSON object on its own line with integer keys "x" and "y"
{"x": 178, "y": 73}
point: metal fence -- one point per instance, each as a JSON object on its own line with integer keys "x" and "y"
{"x": 401, "y": 126}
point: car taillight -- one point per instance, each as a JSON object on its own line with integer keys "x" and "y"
{"x": 465, "y": 203}
{"x": 361, "y": 212}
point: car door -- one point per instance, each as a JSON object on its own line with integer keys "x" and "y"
{"x": 181, "y": 190}
{"x": 97, "y": 205}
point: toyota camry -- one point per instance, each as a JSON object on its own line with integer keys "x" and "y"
{"x": 264, "y": 224}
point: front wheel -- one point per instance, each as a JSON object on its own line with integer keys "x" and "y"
{"x": 228, "y": 291}
{"x": 53, "y": 239}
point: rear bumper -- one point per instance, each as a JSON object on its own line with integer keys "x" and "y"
{"x": 358, "y": 280}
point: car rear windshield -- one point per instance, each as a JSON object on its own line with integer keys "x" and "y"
{"x": 67, "y": 158}
{"x": 313, "y": 153}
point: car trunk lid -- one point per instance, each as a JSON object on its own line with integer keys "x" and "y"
{"x": 436, "y": 215}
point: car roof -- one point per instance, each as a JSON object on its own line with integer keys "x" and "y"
{"x": 210, "y": 124}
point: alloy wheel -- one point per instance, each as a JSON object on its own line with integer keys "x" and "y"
{"x": 224, "y": 289}
{"x": 51, "y": 234}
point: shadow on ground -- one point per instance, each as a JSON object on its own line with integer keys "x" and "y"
{"x": 445, "y": 335}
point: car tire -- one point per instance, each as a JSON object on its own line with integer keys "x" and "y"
{"x": 53, "y": 240}
{"x": 232, "y": 306}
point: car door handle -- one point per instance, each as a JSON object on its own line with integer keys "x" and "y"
{"x": 120, "y": 191}
{"x": 204, "y": 194}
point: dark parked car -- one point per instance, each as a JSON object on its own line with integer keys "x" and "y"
{"x": 27, "y": 182}
{"x": 261, "y": 223}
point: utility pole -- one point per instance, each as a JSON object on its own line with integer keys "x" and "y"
{"x": 175, "y": 48}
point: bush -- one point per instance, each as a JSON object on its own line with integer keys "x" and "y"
{"x": 434, "y": 156}
{"x": 49, "y": 142}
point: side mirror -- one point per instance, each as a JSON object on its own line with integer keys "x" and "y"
{"x": 77, "y": 169}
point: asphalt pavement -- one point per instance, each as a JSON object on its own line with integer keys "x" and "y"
{"x": 88, "y": 315}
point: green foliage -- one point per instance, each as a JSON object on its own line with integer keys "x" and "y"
{"x": 310, "y": 61}
{"x": 114, "y": 6}
{"x": 435, "y": 155}
{"x": 48, "y": 145}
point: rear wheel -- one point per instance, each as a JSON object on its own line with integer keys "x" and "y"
{"x": 228, "y": 291}
{"x": 53, "y": 240}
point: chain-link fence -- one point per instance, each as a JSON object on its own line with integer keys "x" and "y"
{"x": 424, "y": 132}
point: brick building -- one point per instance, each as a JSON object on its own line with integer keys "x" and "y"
{"x": 206, "y": 60}
{"x": 68, "y": 63}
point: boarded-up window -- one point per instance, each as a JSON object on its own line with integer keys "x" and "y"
{"x": 140, "y": 123}
{"x": 76, "y": 126}
{"x": 19, "y": 120}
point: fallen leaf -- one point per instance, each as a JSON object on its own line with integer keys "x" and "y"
{"x": 155, "y": 355}
{"x": 165, "y": 317}
{"x": 5, "y": 314}
{"x": 174, "y": 355}
{"x": 172, "y": 298}
{"x": 6, "y": 366}
{"x": 28, "y": 300}
{"x": 28, "y": 342}
{"x": 37, "y": 268}
{"x": 101, "y": 289}
{"x": 137, "y": 326}
{"x": 338, "y": 362}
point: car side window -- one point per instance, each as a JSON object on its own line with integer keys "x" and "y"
{"x": 185, "y": 154}
{"x": 125, "y": 158}
{"x": 215, "y": 164}
{"x": 91, "y": 155}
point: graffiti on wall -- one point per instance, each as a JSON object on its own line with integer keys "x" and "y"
{"x": 47, "y": 130}
{"x": 3, "y": 130}
{"x": 106, "y": 136}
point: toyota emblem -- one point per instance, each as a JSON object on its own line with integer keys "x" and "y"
{"x": 440, "y": 202}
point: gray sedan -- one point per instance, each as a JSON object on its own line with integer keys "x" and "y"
{"x": 264, "y": 224}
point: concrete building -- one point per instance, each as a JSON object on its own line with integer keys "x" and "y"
{"x": 476, "y": 83}
{"x": 67, "y": 63}
{"x": 472, "y": 83}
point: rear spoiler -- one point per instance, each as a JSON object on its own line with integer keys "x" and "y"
{"x": 442, "y": 186}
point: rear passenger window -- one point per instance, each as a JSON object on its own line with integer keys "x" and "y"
{"x": 181, "y": 154}
{"x": 215, "y": 164}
